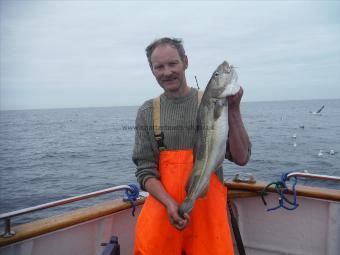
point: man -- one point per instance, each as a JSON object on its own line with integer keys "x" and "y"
{"x": 164, "y": 161}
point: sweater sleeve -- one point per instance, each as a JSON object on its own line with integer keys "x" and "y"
{"x": 144, "y": 152}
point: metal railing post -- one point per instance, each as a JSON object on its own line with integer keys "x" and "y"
{"x": 7, "y": 231}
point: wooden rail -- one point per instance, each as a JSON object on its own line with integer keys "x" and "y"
{"x": 235, "y": 190}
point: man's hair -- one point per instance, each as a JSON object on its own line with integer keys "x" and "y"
{"x": 174, "y": 42}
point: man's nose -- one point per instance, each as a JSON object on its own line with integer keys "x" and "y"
{"x": 167, "y": 70}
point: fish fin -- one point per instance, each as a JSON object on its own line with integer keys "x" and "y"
{"x": 219, "y": 104}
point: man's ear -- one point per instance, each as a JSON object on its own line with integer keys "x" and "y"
{"x": 186, "y": 61}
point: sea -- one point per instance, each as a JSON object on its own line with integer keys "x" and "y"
{"x": 52, "y": 154}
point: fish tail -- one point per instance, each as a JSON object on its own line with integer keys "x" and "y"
{"x": 185, "y": 207}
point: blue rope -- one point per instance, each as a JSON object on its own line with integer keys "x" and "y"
{"x": 132, "y": 196}
{"x": 284, "y": 179}
{"x": 282, "y": 189}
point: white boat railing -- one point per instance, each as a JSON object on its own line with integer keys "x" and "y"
{"x": 313, "y": 176}
{"x": 7, "y": 216}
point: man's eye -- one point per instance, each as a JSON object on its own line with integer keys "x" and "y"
{"x": 217, "y": 74}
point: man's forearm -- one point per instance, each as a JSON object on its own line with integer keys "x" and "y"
{"x": 238, "y": 137}
{"x": 156, "y": 189}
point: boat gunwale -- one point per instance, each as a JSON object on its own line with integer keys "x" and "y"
{"x": 68, "y": 219}
{"x": 43, "y": 226}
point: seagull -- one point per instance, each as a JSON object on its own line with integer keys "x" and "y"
{"x": 318, "y": 112}
{"x": 320, "y": 154}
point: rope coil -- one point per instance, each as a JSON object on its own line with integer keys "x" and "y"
{"x": 282, "y": 189}
{"x": 132, "y": 196}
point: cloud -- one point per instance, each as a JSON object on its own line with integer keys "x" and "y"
{"x": 82, "y": 53}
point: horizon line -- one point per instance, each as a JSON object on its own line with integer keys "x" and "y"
{"x": 111, "y": 106}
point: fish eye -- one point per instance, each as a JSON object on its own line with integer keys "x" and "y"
{"x": 217, "y": 74}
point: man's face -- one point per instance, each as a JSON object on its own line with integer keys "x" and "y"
{"x": 168, "y": 68}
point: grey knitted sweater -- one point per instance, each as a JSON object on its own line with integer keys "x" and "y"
{"x": 178, "y": 123}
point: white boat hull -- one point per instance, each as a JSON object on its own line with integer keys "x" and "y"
{"x": 311, "y": 229}
{"x": 84, "y": 238}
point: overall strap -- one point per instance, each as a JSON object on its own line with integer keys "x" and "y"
{"x": 156, "y": 110}
{"x": 199, "y": 97}
{"x": 159, "y": 136}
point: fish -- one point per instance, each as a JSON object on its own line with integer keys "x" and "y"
{"x": 211, "y": 133}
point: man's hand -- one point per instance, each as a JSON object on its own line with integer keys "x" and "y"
{"x": 175, "y": 219}
{"x": 156, "y": 189}
{"x": 234, "y": 101}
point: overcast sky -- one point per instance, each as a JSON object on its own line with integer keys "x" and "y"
{"x": 59, "y": 54}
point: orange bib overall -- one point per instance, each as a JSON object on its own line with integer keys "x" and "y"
{"x": 208, "y": 231}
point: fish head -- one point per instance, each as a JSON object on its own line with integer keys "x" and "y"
{"x": 223, "y": 81}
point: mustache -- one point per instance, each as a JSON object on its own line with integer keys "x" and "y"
{"x": 169, "y": 78}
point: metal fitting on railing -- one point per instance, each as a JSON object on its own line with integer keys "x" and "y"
{"x": 244, "y": 178}
{"x": 7, "y": 231}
